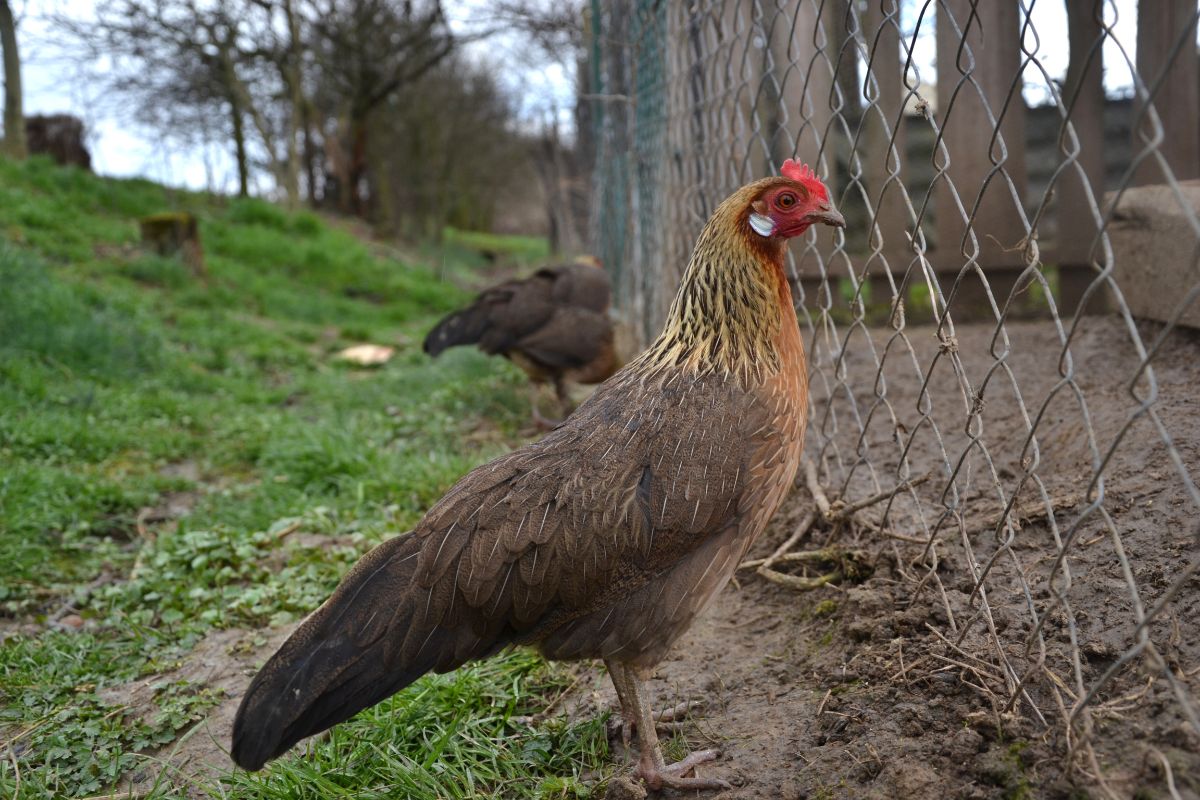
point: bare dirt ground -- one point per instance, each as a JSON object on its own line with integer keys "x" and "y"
{"x": 223, "y": 662}
{"x": 890, "y": 683}
{"x": 869, "y": 689}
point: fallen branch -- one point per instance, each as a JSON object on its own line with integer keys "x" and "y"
{"x": 801, "y": 531}
{"x": 289, "y": 529}
{"x": 815, "y": 488}
{"x": 843, "y": 511}
{"x": 827, "y": 554}
{"x": 130, "y": 794}
{"x": 798, "y": 583}
{"x": 1021, "y": 515}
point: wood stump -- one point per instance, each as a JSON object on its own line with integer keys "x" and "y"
{"x": 176, "y": 232}
{"x": 60, "y": 136}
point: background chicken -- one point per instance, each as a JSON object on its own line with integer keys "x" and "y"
{"x": 605, "y": 538}
{"x": 554, "y": 325}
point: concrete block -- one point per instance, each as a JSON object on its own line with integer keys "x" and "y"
{"x": 1156, "y": 251}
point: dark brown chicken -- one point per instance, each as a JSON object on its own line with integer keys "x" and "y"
{"x": 554, "y": 325}
{"x": 605, "y": 538}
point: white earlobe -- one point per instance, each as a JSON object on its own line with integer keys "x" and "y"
{"x": 762, "y": 224}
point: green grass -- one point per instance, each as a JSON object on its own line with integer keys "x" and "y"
{"x": 485, "y": 249}
{"x": 129, "y": 386}
{"x": 524, "y": 249}
{"x": 463, "y": 735}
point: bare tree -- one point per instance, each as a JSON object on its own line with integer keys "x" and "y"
{"x": 174, "y": 61}
{"x": 185, "y": 63}
{"x": 555, "y": 30}
{"x": 451, "y": 148}
{"x": 275, "y": 42}
{"x": 367, "y": 51}
{"x": 14, "y": 119}
{"x": 325, "y": 93}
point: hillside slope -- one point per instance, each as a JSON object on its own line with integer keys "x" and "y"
{"x": 185, "y": 455}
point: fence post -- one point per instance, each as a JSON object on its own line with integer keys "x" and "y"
{"x": 1161, "y": 23}
{"x": 990, "y": 60}
{"x": 712, "y": 72}
{"x": 882, "y": 34}
{"x": 804, "y": 91}
{"x": 803, "y": 125}
{"x": 1076, "y": 225}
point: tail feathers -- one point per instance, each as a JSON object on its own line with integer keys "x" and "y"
{"x": 377, "y": 634}
{"x": 466, "y": 326}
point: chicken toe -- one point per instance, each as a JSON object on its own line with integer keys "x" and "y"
{"x": 652, "y": 768}
{"x": 675, "y": 776}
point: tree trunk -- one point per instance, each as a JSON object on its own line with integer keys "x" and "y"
{"x": 239, "y": 146}
{"x": 355, "y": 202}
{"x": 337, "y": 166}
{"x": 310, "y": 154}
{"x": 992, "y": 34}
{"x": 884, "y": 125}
{"x": 1084, "y": 88}
{"x": 843, "y": 56}
{"x": 14, "y": 118}
{"x": 292, "y": 77}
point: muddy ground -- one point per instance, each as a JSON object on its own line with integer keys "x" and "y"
{"x": 895, "y": 681}
{"x": 893, "y": 685}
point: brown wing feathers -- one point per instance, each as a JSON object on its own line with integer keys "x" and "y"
{"x": 543, "y": 544}
{"x": 602, "y": 540}
{"x": 557, "y": 318}
{"x": 372, "y": 638}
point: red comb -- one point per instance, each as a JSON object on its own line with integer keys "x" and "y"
{"x": 802, "y": 173}
{"x": 794, "y": 170}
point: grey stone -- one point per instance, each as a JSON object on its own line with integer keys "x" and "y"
{"x": 1155, "y": 251}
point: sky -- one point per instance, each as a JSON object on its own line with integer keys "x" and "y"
{"x": 54, "y": 83}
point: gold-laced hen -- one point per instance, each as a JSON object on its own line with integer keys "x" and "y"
{"x": 605, "y": 538}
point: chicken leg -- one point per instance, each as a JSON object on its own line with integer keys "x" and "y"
{"x": 652, "y": 768}
{"x": 540, "y": 422}
{"x": 564, "y": 398}
{"x": 564, "y": 403}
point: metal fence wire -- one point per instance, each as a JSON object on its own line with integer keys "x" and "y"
{"x": 1000, "y": 343}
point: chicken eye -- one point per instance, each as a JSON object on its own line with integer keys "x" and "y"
{"x": 786, "y": 200}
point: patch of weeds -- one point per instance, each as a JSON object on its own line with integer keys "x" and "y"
{"x": 222, "y": 577}
{"x": 1018, "y": 787}
{"x": 1006, "y": 770}
{"x": 455, "y": 735}
{"x": 160, "y": 271}
{"x": 521, "y": 249}
{"x": 67, "y": 327}
{"x": 86, "y": 745}
{"x": 305, "y": 223}
{"x": 252, "y": 211}
{"x": 827, "y": 637}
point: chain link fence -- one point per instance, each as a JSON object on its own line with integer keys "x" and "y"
{"x": 1001, "y": 351}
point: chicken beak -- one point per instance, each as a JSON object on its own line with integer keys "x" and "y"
{"x": 829, "y": 216}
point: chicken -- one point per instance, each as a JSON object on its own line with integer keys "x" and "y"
{"x": 554, "y": 325}
{"x": 605, "y": 538}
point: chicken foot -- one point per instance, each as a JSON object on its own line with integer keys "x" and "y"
{"x": 652, "y": 768}
{"x": 564, "y": 403}
{"x": 540, "y": 422}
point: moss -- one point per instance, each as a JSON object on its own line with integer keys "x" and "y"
{"x": 825, "y": 608}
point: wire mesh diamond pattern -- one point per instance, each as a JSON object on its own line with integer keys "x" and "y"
{"x": 972, "y": 338}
